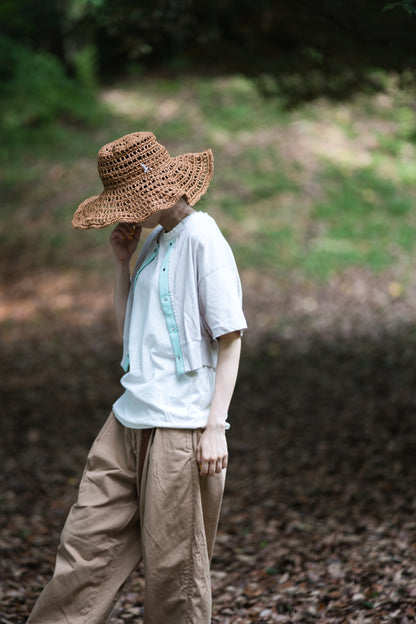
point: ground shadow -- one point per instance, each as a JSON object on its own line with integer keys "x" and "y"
{"x": 322, "y": 443}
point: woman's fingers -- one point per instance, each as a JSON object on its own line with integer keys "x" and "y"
{"x": 124, "y": 239}
{"x": 127, "y": 230}
{"x": 212, "y": 452}
{"x": 209, "y": 467}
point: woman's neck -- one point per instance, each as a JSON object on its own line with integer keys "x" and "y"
{"x": 172, "y": 216}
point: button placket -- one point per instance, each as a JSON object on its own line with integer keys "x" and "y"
{"x": 166, "y": 303}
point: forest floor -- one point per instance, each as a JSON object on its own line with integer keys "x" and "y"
{"x": 318, "y": 521}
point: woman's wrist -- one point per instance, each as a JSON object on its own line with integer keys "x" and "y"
{"x": 216, "y": 424}
{"x": 122, "y": 263}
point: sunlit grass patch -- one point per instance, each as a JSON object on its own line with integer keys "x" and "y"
{"x": 365, "y": 220}
{"x": 235, "y": 105}
{"x": 330, "y": 256}
{"x": 271, "y": 250}
{"x": 255, "y": 174}
{"x": 308, "y": 192}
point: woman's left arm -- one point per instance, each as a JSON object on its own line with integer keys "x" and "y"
{"x": 212, "y": 451}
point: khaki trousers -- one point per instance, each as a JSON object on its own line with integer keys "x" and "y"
{"x": 132, "y": 506}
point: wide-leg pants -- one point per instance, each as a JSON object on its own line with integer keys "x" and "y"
{"x": 137, "y": 502}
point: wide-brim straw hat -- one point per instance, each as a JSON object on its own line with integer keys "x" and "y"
{"x": 140, "y": 178}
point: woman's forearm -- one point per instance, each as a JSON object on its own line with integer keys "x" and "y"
{"x": 123, "y": 240}
{"x": 212, "y": 451}
{"x": 121, "y": 292}
{"x": 225, "y": 378}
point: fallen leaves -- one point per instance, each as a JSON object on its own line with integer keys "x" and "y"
{"x": 318, "y": 521}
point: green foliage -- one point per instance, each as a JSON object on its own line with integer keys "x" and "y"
{"x": 79, "y": 9}
{"x": 85, "y": 63}
{"x": 36, "y": 90}
{"x": 37, "y": 24}
{"x": 298, "y": 51}
{"x": 408, "y": 5}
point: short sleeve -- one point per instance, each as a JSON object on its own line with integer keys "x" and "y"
{"x": 219, "y": 286}
{"x": 220, "y": 299}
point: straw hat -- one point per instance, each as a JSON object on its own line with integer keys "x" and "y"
{"x": 139, "y": 178}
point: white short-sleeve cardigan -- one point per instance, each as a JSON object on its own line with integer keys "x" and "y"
{"x": 202, "y": 289}
{"x": 185, "y": 292}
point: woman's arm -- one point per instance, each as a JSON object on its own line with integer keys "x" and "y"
{"x": 124, "y": 240}
{"x": 212, "y": 452}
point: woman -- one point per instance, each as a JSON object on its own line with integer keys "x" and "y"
{"x": 153, "y": 483}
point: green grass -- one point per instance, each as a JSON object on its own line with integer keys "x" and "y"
{"x": 309, "y": 192}
{"x": 365, "y": 220}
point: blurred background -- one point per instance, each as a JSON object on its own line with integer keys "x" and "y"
{"x": 310, "y": 111}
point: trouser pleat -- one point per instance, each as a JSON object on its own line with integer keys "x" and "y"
{"x": 140, "y": 497}
{"x": 177, "y": 540}
{"x": 100, "y": 544}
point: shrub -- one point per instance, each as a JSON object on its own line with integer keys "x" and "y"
{"x": 37, "y": 90}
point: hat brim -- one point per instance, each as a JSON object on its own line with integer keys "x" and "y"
{"x": 187, "y": 175}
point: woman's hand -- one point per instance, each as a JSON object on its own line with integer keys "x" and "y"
{"x": 124, "y": 239}
{"x": 212, "y": 451}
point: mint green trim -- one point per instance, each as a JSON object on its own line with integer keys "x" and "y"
{"x": 146, "y": 262}
{"x": 125, "y": 363}
{"x": 167, "y": 308}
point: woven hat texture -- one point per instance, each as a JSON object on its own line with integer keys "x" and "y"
{"x": 139, "y": 178}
